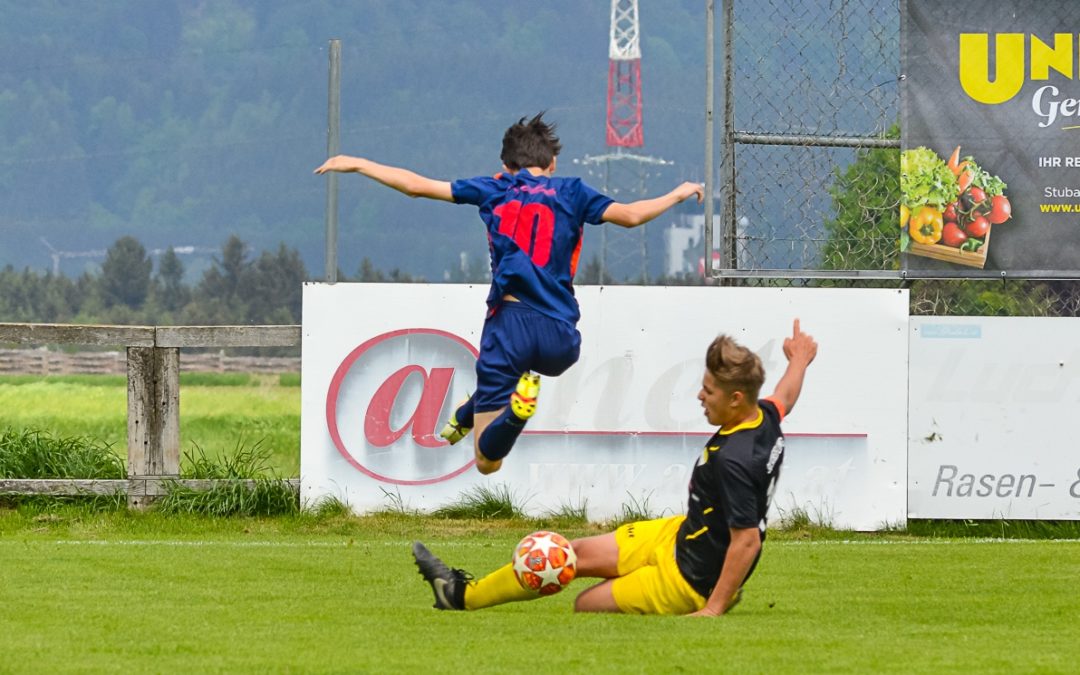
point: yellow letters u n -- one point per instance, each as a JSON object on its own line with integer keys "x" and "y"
{"x": 975, "y": 66}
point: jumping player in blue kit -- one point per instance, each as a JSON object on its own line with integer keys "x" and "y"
{"x": 535, "y": 223}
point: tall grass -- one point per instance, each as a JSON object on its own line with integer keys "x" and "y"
{"x": 31, "y": 453}
{"x": 329, "y": 508}
{"x": 632, "y": 511}
{"x": 797, "y": 522}
{"x": 396, "y": 504}
{"x": 267, "y": 494}
{"x": 577, "y": 513}
{"x": 484, "y": 503}
{"x": 265, "y": 497}
{"x": 244, "y": 461}
{"x": 48, "y": 509}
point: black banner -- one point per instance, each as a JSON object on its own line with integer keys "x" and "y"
{"x": 990, "y": 162}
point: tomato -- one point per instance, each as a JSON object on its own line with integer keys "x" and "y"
{"x": 952, "y": 235}
{"x": 978, "y": 227}
{"x": 978, "y": 196}
{"x": 1000, "y": 210}
{"x": 950, "y": 212}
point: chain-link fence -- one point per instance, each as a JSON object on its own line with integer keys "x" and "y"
{"x": 624, "y": 254}
{"x": 808, "y": 187}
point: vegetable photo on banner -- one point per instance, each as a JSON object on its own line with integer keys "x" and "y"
{"x": 980, "y": 203}
{"x": 927, "y": 185}
{"x": 951, "y": 203}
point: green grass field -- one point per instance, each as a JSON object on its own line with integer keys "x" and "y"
{"x": 86, "y": 590}
{"x": 145, "y": 593}
{"x": 217, "y": 411}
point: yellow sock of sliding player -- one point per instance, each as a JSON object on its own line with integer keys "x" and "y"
{"x": 501, "y": 586}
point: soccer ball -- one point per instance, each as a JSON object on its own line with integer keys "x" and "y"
{"x": 544, "y": 562}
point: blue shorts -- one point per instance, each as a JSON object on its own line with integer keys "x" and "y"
{"x": 517, "y": 338}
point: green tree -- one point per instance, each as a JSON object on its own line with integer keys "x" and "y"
{"x": 32, "y": 296}
{"x": 14, "y": 303}
{"x": 271, "y": 289}
{"x": 368, "y": 273}
{"x": 865, "y": 233}
{"x": 91, "y": 303}
{"x": 233, "y": 263}
{"x": 125, "y": 274}
{"x": 221, "y": 281}
{"x": 171, "y": 292}
{"x": 59, "y": 300}
{"x": 216, "y": 299}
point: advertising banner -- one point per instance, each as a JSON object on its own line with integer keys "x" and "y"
{"x": 384, "y": 365}
{"x": 990, "y": 166}
{"x": 991, "y": 400}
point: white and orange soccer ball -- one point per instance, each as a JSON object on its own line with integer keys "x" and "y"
{"x": 544, "y": 562}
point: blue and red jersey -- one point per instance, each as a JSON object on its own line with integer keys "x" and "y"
{"x": 535, "y": 226}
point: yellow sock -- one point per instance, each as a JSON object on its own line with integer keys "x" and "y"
{"x": 499, "y": 587}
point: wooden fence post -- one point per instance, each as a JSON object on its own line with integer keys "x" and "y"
{"x": 153, "y": 420}
{"x": 153, "y": 371}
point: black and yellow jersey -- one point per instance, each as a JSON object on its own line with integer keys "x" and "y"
{"x": 731, "y": 487}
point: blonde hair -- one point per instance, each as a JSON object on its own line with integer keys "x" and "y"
{"x": 735, "y": 367}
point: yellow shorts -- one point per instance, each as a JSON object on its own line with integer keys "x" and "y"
{"x": 649, "y": 581}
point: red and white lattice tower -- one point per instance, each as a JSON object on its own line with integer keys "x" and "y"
{"x": 624, "y": 253}
{"x": 624, "y": 126}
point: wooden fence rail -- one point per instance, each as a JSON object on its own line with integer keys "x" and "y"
{"x": 112, "y": 362}
{"x": 153, "y": 401}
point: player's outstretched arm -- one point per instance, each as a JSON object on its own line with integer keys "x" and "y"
{"x": 404, "y": 181}
{"x": 800, "y": 350}
{"x": 742, "y": 551}
{"x": 644, "y": 210}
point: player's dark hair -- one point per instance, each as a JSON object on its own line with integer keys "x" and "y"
{"x": 530, "y": 143}
{"x": 735, "y": 367}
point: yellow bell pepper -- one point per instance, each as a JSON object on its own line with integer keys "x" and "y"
{"x": 925, "y": 225}
{"x": 905, "y": 214}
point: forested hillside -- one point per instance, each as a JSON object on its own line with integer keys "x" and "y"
{"x": 181, "y": 123}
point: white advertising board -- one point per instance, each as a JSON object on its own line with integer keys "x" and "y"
{"x": 990, "y": 400}
{"x": 383, "y": 365}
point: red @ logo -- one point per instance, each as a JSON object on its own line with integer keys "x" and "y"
{"x": 388, "y": 399}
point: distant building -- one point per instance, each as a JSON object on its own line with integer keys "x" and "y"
{"x": 679, "y": 239}
{"x": 684, "y": 248}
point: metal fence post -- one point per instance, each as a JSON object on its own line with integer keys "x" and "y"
{"x": 730, "y": 257}
{"x": 710, "y": 150}
{"x": 333, "y": 147}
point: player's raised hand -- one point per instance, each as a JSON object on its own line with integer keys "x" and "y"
{"x": 689, "y": 189}
{"x": 800, "y": 345}
{"x": 341, "y": 163}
